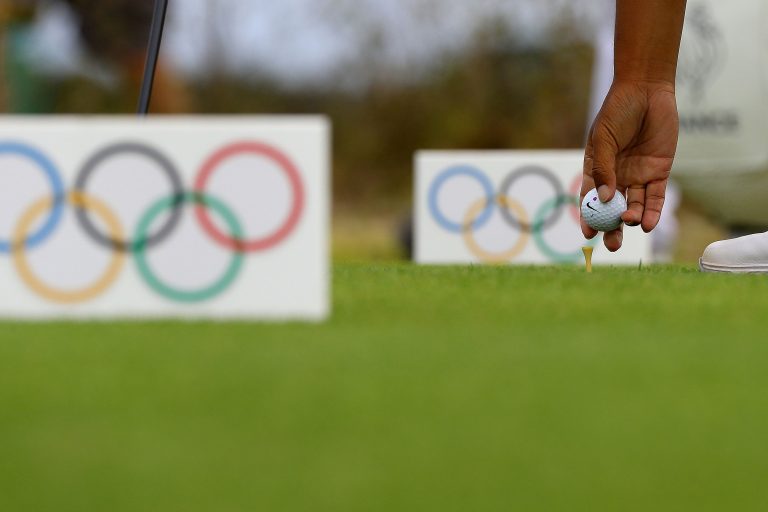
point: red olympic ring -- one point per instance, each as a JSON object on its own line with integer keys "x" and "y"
{"x": 575, "y": 191}
{"x": 259, "y": 244}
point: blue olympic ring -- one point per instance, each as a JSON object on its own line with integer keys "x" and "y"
{"x": 57, "y": 184}
{"x": 462, "y": 170}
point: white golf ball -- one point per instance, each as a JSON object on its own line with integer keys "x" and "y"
{"x": 603, "y": 216}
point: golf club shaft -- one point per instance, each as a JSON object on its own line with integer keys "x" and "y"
{"x": 153, "y": 53}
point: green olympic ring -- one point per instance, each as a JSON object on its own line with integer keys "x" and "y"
{"x": 538, "y": 234}
{"x": 188, "y": 296}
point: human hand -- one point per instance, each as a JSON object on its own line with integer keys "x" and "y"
{"x": 630, "y": 150}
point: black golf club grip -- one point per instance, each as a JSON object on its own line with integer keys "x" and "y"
{"x": 153, "y": 53}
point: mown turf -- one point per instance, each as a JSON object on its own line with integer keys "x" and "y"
{"x": 432, "y": 389}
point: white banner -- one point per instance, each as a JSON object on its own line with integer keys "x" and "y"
{"x": 721, "y": 88}
{"x": 507, "y": 207}
{"x": 171, "y": 217}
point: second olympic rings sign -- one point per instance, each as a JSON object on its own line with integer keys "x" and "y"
{"x": 95, "y": 216}
{"x": 529, "y": 226}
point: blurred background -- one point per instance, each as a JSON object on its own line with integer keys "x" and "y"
{"x": 394, "y": 76}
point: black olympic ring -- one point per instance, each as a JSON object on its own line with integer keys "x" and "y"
{"x": 532, "y": 170}
{"x": 170, "y": 171}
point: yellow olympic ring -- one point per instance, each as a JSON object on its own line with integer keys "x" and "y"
{"x": 494, "y": 258}
{"x": 78, "y": 200}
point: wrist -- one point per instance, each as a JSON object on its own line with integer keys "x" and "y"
{"x": 645, "y": 71}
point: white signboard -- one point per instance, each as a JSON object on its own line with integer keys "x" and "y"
{"x": 721, "y": 88}
{"x": 194, "y": 218}
{"x": 507, "y": 207}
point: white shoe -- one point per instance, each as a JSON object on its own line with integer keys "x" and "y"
{"x": 745, "y": 255}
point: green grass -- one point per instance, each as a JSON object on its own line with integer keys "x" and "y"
{"x": 445, "y": 389}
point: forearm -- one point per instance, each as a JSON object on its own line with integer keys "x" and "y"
{"x": 648, "y": 36}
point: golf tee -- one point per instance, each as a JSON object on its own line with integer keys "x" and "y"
{"x": 588, "y": 258}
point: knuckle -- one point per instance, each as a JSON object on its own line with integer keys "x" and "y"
{"x": 655, "y": 205}
{"x": 601, "y": 173}
{"x": 604, "y": 136}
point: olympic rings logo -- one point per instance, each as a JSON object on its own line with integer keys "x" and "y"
{"x": 512, "y": 212}
{"x": 48, "y": 212}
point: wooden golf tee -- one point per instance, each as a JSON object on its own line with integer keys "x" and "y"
{"x": 588, "y": 258}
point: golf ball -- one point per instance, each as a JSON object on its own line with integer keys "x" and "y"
{"x": 603, "y": 216}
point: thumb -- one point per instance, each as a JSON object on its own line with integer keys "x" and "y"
{"x": 604, "y": 165}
